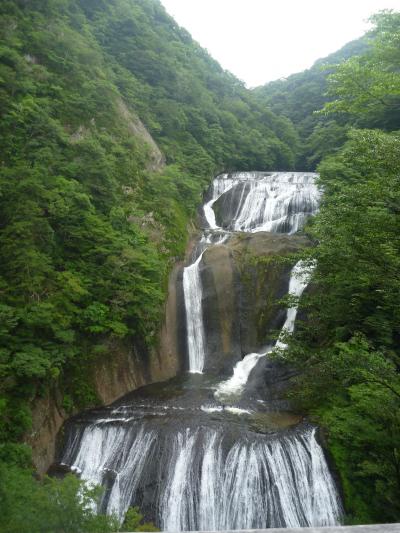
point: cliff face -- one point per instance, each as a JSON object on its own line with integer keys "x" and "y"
{"x": 156, "y": 159}
{"x": 123, "y": 369}
{"x": 242, "y": 282}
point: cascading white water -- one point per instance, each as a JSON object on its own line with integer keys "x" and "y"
{"x": 192, "y": 288}
{"x": 220, "y": 186}
{"x": 196, "y": 465}
{"x": 109, "y": 449}
{"x": 194, "y": 316}
{"x": 276, "y": 202}
{"x": 207, "y": 483}
{"x": 299, "y": 279}
{"x": 234, "y": 386}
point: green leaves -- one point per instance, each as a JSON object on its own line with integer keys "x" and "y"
{"x": 51, "y": 505}
{"x": 134, "y": 521}
{"x": 371, "y": 82}
{"x": 31, "y": 363}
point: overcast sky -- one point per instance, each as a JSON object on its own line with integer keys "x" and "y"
{"x": 262, "y": 40}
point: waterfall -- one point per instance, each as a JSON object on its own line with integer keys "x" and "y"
{"x": 194, "y": 453}
{"x": 106, "y": 450}
{"x": 192, "y": 288}
{"x": 194, "y": 316}
{"x": 205, "y": 482}
{"x": 235, "y": 385}
{"x": 274, "y": 202}
{"x": 220, "y": 186}
{"x": 299, "y": 279}
{"x": 279, "y": 202}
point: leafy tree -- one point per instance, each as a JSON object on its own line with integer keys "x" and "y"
{"x": 370, "y": 83}
{"x": 134, "y": 521}
{"x": 52, "y": 505}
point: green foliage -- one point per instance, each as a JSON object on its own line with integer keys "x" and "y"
{"x": 369, "y": 85}
{"x": 348, "y": 349}
{"x": 134, "y": 521}
{"x": 51, "y": 505}
{"x": 300, "y": 96}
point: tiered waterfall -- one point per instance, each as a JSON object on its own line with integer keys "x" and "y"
{"x": 204, "y": 452}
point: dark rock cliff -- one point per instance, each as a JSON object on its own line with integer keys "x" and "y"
{"x": 243, "y": 280}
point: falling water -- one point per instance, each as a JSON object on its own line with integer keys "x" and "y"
{"x": 192, "y": 288}
{"x": 191, "y": 453}
{"x": 276, "y": 202}
{"x": 207, "y": 482}
{"x": 219, "y": 186}
{"x": 194, "y": 316}
{"x": 299, "y": 279}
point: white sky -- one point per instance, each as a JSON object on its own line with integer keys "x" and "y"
{"x": 262, "y": 40}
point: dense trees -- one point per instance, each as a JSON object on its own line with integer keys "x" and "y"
{"x": 368, "y": 85}
{"x": 348, "y": 350}
{"x": 52, "y": 506}
{"x": 56, "y": 506}
{"x": 301, "y": 96}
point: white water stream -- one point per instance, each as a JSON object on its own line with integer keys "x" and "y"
{"x": 205, "y": 483}
{"x": 299, "y": 279}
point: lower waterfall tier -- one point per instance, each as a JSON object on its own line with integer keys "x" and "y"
{"x": 191, "y": 462}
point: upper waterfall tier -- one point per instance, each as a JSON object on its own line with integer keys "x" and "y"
{"x": 278, "y": 202}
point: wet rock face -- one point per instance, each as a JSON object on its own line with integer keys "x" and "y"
{"x": 243, "y": 281}
{"x": 227, "y": 206}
